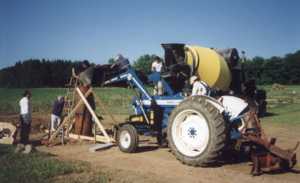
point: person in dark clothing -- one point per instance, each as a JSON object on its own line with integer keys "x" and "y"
{"x": 57, "y": 109}
{"x": 121, "y": 63}
{"x": 85, "y": 73}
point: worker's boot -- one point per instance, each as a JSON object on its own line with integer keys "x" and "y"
{"x": 256, "y": 167}
{"x": 28, "y": 149}
{"x": 19, "y": 148}
{"x": 162, "y": 140}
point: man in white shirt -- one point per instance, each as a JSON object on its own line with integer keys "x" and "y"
{"x": 25, "y": 117}
{"x": 199, "y": 87}
{"x": 157, "y": 65}
{"x": 156, "y": 68}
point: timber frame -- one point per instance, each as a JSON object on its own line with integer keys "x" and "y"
{"x": 68, "y": 122}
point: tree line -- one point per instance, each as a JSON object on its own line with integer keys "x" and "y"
{"x": 282, "y": 70}
{"x": 56, "y": 73}
{"x": 37, "y": 73}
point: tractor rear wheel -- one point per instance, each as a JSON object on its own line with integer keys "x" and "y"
{"x": 196, "y": 132}
{"x": 127, "y": 138}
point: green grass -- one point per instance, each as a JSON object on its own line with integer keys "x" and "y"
{"x": 283, "y": 105}
{"x": 117, "y": 100}
{"x": 288, "y": 88}
{"x": 39, "y": 167}
{"x": 287, "y": 113}
{"x": 42, "y": 98}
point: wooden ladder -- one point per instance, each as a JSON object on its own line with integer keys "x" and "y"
{"x": 69, "y": 104}
{"x": 70, "y": 95}
{"x": 70, "y": 101}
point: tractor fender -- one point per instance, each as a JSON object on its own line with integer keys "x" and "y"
{"x": 216, "y": 103}
{"x": 234, "y": 106}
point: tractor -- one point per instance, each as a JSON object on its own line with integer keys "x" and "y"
{"x": 198, "y": 129}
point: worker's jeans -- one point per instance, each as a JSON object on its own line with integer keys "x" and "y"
{"x": 25, "y": 129}
{"x": 55, "y": 121}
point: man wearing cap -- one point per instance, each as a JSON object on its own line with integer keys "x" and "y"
{"x": 57, "y": 109}
{"x": 199, "y": 87}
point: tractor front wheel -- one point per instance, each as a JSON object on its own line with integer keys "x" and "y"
{"x": 127, "y": 138}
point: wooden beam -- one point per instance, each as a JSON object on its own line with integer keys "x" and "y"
{"x": 71, "y": 114}
{"x": 98, "y": 138}
{"x": 94, "y": 115}
{"x": 83, "y": 137}
{"x": 101, "y": 138}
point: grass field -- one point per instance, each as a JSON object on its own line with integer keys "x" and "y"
{"x": 117, "y": 100}
{"x": 283, "y": 105}
{"x": 39, "y": 167}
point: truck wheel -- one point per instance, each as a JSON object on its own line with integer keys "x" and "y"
{"x": 196, "y": 132}
{"x": 127, "y": 138}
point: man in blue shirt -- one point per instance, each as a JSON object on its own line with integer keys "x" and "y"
{"x": 57, "y": 109}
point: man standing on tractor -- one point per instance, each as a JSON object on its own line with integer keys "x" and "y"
{"x": 156, "y": 68}
{"x": 157, "y": 65}
{"x": 199, "y": 87}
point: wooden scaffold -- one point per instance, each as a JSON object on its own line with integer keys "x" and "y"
{"x": 65, "y": 127}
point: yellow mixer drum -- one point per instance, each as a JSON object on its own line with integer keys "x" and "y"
{"x": 211, "y": 67}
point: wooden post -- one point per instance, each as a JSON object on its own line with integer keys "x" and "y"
{"x": 71, "y": 114}
{"x": 94, "y": 115}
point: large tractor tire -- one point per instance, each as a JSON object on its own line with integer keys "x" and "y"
{"x": 196, "y": 132}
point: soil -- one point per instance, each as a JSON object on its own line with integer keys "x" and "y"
{"x": 153, "y": 164}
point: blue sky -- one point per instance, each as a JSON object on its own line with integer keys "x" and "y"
{"x": 97, "y": 30}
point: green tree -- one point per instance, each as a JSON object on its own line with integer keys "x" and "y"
{"x": 143, "y": 63}
{"x": 292, "y": 67}
{"x": 273, "y": 71}
{"x": 254, "y": 68}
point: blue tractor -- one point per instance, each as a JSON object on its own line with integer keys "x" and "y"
{"x": 194, "y": 127}
{"x": 197, "y": 129}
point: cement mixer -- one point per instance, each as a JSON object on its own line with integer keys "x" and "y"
{"x": 221, "y": 69}
{"x": 214, "y": 66}
{"x": 209, "y": 66}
